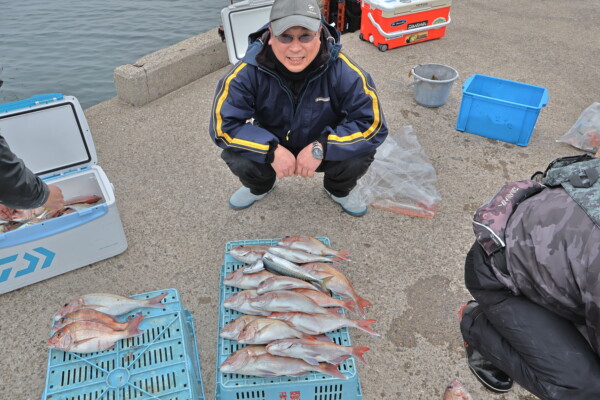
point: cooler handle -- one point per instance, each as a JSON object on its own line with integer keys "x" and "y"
{"x": 52, "y": 227}
{"x": 398, "y": 34}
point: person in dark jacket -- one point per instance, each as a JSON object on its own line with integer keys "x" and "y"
{"x": 536, "y": 314}
{"x": 295, "y": 105}
{"x": 22, "y": 189}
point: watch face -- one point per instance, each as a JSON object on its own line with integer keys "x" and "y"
{"x": 317, "y": 152}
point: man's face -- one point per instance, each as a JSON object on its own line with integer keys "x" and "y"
{"x": 296, "y": 55}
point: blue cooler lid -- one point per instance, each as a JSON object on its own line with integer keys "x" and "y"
{"x": 49, "y": 133}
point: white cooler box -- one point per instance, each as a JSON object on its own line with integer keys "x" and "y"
{"x": 50, "y": 133}
{"x": 240, "y": 20}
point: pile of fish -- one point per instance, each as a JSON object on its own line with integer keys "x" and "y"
{"x": 88, "y": 324}
{"x": 11, "y": 219}
{"x": 288, "y": 309}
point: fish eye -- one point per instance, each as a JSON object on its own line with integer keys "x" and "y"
{"x": 59, "y": 334}
{"x": 66, "y": 304}
{"x": 62, "y": 320}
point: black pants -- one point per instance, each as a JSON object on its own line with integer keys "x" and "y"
{"x": 340, "y": 176}
{"x": 542, "y": 351}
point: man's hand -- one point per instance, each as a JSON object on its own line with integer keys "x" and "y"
{"x": 306, "y": 164}
{"x": 284, "y": 162}
{"x": 55, "y": 199}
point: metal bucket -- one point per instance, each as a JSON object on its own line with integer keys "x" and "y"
{"x": 432, "y": 83}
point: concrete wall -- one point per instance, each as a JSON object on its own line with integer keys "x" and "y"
{"x": 166, "y": 70}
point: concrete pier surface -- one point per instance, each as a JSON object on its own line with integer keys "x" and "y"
{"x": 172, "y": 189}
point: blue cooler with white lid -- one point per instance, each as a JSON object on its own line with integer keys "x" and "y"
{"x": 50, "y": 134}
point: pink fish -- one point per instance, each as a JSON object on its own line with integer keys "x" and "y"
{"x": 89, "y": 337}
{"x": 248, "y": 254}
{"x": 315, "y": 351}
{"x": 288, "y": 301}
{"x": 266, "y": 330}
{"x": 319, "y": 324}
{"x": 327, "y": 301}
{"x": 110, "y": 304}
{"x": 83, "y": 200}
{"x": 88, "y": 314}
{"x": 267, "y": 365}
{"x": 241, "y": 302}
{"x": 233, "y": 329}
{"x": 456, "y": 391}
{"x": 338, "y": 284}
{"x": 241, "y": 280}
{"x": 312, "y": 245}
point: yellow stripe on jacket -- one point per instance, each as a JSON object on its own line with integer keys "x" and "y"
{"x": 375, "y": 126}
{"x": 233, "y": 142}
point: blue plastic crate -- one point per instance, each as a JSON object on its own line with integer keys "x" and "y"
{"x": 313, "y": 386}
{"x": 161, "y": 364}
{"x": 500, "y": 109}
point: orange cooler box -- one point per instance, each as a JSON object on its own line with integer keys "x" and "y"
{"x": 393, "y": 23}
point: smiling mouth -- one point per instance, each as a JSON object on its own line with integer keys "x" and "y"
{"x": 295, "y": 58}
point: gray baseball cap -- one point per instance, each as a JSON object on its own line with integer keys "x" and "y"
{"x": 288, "y": 13}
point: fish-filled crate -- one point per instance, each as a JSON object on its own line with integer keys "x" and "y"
{"x": 312, "y": 386}
{"x": 161, "y": 364}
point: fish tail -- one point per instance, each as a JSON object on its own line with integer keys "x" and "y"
{"x": 324, "y": 282}
{"x": 336, "y": 312}
{"x": 362, "y": 303}
{"x": 358, "y": 351}
{"x": 350, "y": 305}
{"x": 132, "y": 327}
{"x": 156, "y": 301}
{"x": 363, "y": 324}
{"x": 332, "y": 370}
{"x": 342, "y": 255}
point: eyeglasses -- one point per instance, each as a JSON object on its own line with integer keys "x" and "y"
{"x": 304, "y": 38}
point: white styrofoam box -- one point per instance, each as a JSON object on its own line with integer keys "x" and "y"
{"x": 240, "y": 20}
{"x": 51, "y": 135}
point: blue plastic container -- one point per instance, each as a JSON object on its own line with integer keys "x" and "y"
{"x": 162, "y": 364}
{"x": 313, "y": 386}
{"x": 500, "y": 109}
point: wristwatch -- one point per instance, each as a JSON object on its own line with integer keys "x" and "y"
{"x": 317, "y": 150}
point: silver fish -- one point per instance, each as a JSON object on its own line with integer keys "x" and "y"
{"x": 300, "y": 256}
{"x": 282, "y": 266}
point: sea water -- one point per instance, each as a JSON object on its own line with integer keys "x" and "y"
{"x": 73, "y": 46}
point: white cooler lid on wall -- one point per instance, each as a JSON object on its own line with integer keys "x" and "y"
{"x": 49, "y": 133}
{"x": 240, "y": 20}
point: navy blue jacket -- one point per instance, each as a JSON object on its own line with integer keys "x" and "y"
{"x": 338, "y": 106}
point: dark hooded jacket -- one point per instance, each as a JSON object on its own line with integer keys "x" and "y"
{"x": 255, "y": 108}
{"x": 19, "y": 187}
{"x": 553, "y": 258}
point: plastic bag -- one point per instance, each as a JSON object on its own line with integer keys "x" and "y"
{"x": 401, "y": 179}
{"x": 585, "y": 133}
